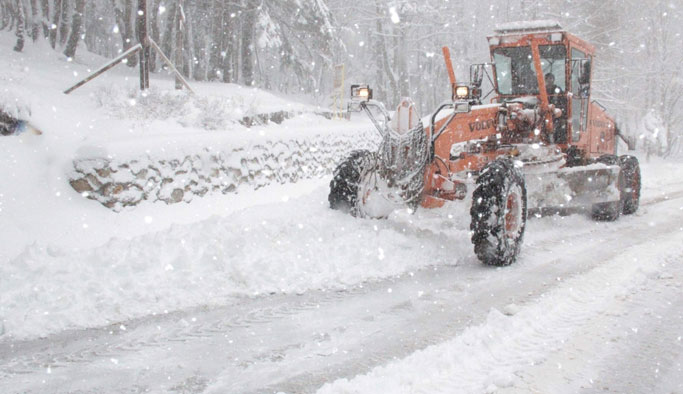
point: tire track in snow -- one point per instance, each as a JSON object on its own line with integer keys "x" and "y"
{"x": 486, "y": 357}
{"x": 25, "y": 357}
{"x": 541, "y": 283}
{"x": 628, "y": 348}
{"x": 667, "y": 197}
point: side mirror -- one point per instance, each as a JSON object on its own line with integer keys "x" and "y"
{"x": 585, "y": 75}
{"x": 585, "y": 78}
{"x": 476, "y": 75}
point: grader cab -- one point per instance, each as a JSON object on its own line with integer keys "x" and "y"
{"x": 542, "y": 60}
{"x": 540, "y": 144}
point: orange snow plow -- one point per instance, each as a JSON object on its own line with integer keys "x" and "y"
{"x": 539, "y": 145}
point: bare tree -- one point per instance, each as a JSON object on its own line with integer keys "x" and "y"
{"x": 64, "y": 23}
{"x": 248, "y": 19}
{"x": 76, "y": 27}
{"x": 56, "y": 14}
{"x": 155, "y": 33}
{"x": 123, "y": 11}
{"x": 217, "y": 44}
{"x": 20, "y": 15}
{"x": 35, "y": 25}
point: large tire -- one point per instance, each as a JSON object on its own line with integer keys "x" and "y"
{"x": 499, "y": 212}
{"x": 610, "y": 160}
{"x": 574, "y": 157}
{"x": 608, "y": 211}
{"x": 344, "y": 185}
{"x": 630, "y": 184}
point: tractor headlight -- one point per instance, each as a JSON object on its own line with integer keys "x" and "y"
{"x": 361, "y": 92}
{"x": 462, "y": 92}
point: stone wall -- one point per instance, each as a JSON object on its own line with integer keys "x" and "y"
{"x": 118, "y": 184}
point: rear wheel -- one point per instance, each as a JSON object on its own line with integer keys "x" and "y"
{"x": 347, "y": 176}
{"x": 499, "y": 209}
{"x": 630, "y": 184}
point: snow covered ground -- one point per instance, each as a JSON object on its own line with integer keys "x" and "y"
{"x": 288, "y": 295}
{"x": 270, "y": 290}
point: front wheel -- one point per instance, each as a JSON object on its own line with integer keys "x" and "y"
{"x": 499, "y": 212}
{"x": 606, "y": 211}
{"x": 346, "y": 180}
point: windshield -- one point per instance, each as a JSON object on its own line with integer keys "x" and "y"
{"x": 516, "y": 74}
{"x": 515, "y": 71}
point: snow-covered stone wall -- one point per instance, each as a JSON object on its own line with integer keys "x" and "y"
{"x": 118, "y": 183}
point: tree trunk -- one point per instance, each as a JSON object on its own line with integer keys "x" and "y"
{"x": 155, "y": 34}
{"x": 56, "y": 13}
{"x": 129, "y": 39}
{"x": 228, "y": 39}
{"x": 21, "y": 19}
{"x": 187, "y": 47}
{"x": 196, "y": 47}
{"x": 402, "y": 59}
{"x": 76, "y": 28}
{"x": 384, "y": 56}
{"x": 124, "y": 20}
{"x": 35, "y": 25}
{"x": 11, "y": 17}
{"x": 167, "y": 40}
{"x": 247, "y": 50}
{"x": 45, "y": 17}
{"x": 230, "y": 61}
{"x": 4, "y": 15}
{"x": 216, "y": 45}
{"x": 64, "y": 23}
{"x": 142, "y": 35}
{"x": 179, "y": 41}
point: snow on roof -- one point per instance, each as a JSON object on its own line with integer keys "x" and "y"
{"x": 528, "y": 26}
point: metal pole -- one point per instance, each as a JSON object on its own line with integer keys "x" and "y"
{"x": 104, "y": 68}
{"x": 144, "y": 47}
{"x": 178, "y": 76}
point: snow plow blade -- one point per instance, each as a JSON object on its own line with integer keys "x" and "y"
{"x": 571, "y": 189}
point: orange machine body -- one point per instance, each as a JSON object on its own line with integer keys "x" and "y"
{"x": 587, "y": 129}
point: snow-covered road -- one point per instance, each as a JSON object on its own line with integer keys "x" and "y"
{"x": 588, "y": 307}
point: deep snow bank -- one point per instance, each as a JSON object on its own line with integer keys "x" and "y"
{"x": 291, "y": 246}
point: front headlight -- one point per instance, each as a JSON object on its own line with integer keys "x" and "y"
{"x": 462, "y": 92}
{"x": 361, "y": 92}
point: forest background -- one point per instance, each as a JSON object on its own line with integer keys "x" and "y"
{"x": 293, "y": 46}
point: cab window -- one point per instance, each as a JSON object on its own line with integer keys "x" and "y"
{"x": 515, "y": 72}
{"x": 554, "y": 61}
{"x": 577, "y": 107}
